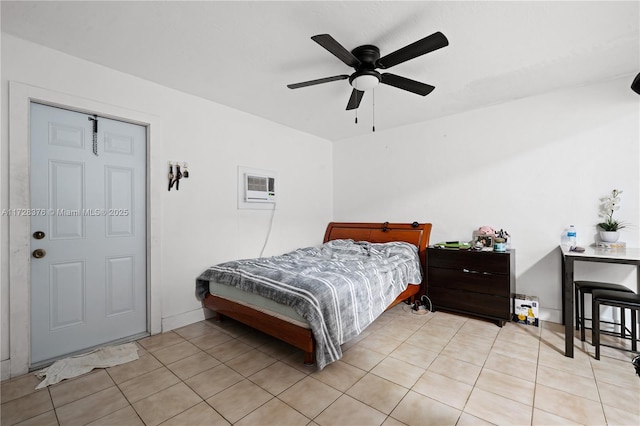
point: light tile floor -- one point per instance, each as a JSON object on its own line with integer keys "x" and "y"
{"x": 436, "y": 369}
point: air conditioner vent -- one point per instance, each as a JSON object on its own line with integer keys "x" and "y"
{"x": 259, "y": 189}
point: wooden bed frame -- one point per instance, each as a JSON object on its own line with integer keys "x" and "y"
{"x": 301, "y": 337}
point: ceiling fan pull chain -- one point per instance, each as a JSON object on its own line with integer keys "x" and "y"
{"x": 373, "y": 94}
{"x": 356, "y": 115}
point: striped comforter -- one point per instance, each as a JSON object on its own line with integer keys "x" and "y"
{"x": 339, "y": 288}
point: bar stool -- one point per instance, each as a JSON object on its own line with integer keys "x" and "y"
{"x": 620, "y": 299}
{"x": 584, "y": 287}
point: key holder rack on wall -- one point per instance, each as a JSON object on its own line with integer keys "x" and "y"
{"x": 177, "y": 172}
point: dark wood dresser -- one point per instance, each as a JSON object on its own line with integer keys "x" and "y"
{"x": 478, "y": 283}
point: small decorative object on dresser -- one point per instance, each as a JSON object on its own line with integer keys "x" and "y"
{"x": 500, "y": 245}
{"x": 486, "y": 238}
{"x": 484, "y": 242}
{"x": 609, "y": 229}
{"x": 483, "y": 238}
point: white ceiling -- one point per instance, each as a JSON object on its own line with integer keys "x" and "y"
{"x": 243, "y": 54}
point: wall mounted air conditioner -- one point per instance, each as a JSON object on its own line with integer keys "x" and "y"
{"x": 259, "y": 188}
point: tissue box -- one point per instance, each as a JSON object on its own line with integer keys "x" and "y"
{"x": 525, "y": 309}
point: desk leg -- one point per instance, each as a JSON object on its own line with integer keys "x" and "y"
{"x": 563, "y": 280}
{"x": 567, "y": 305}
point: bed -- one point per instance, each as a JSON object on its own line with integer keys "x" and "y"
{"x": 289, "y": 323}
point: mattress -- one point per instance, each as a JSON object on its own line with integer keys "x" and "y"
{"x": 258, "y": 303}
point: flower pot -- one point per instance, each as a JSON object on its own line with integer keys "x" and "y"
{"x": 609, "y": 236}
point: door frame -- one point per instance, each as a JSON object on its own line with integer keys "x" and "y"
{"x": 20, "y": 97}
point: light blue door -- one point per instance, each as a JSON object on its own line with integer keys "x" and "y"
{"x": 88, "y": 232}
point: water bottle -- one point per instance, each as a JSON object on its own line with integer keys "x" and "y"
{"x": 571, "y": 236}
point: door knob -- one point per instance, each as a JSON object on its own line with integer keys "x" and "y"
{"x": 39, "y": 253}
{"x": 38, "y": 235}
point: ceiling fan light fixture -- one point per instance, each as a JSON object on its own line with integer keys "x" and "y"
{"x": 364, "y": 80}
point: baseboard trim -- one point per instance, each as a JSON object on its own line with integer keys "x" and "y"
{"x": 551, "y": 315}
{"x": 5, "y": 369}
{"x": 186, "y": 318}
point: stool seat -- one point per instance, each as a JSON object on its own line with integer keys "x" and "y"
{"x": 611, "y": 297}
{"x": 587, "y": 287}
{"x": 620, "y": 299}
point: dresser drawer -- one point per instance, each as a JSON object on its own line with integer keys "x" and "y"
{"x": 469, "y": 280}
{"x": 470, "y": 302}
{"x": 497, "y": 263}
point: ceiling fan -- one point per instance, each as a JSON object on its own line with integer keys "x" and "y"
{"x": 366, "y": 59}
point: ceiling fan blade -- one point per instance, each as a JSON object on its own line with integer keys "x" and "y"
{"x": 335, "y": 48}
{"x": 318, "y": 81}
{"x": 406, "y": 84}
{"x": 428, "y": 44}
{"x": 354, "y": 100}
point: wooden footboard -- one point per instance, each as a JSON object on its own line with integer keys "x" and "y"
{"x": 297, "y": 336}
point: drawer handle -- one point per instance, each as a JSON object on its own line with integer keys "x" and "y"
{"x": 470, "y": 271}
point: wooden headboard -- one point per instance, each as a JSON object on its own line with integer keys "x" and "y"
{"x": 414, "y": 233}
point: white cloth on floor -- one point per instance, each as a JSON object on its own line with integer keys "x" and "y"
{"x": 80, "y": 364}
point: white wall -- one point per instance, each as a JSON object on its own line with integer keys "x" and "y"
{"x": 201, "y": 224}
{"x": 532, "y": 167}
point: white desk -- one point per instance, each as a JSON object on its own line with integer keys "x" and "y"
{"x": 629, "y": 256}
